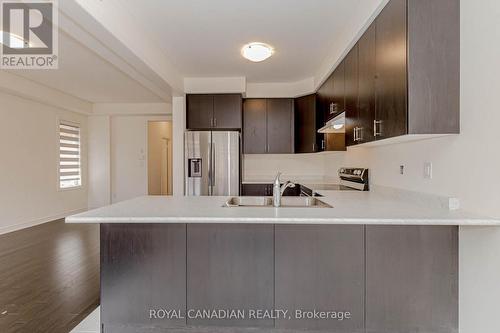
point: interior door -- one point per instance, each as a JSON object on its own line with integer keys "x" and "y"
{"x": 225, "y": 163}
{"x": 197, "y": 145}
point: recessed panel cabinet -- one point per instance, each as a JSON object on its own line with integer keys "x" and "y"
{"x": 213, "y": 111}
{"x": 268, "y": 126}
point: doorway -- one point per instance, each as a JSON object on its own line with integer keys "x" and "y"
{"x": 160, "y": 158}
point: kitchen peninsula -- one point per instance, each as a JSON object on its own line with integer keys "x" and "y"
{"x": 387, "y": 258}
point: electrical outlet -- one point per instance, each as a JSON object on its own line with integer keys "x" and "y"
{"x": 428, "y": 170}
{"x": 401, "y": 169}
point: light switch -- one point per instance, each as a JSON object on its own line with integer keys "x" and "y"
{"x": 428, "y": 170}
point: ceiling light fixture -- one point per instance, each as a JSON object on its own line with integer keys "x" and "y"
{"x": 256, "y": 51}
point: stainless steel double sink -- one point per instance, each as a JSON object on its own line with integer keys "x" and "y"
{"x": 286, "y": 202}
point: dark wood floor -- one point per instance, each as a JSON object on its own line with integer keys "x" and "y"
{"x": 49, "y": 277}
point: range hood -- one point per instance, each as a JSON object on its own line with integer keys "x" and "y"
{"x": 335, "y": 125}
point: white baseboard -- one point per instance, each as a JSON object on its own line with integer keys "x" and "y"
{"x": 32, "y": 223}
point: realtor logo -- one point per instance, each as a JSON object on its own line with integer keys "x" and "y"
{"x": 29, "y": 34}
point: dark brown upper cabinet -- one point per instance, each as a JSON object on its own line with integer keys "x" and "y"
{"x": 280, "y": 126}
{"x": 268, "y": 126}
{"x": 408, "y": 73}
{"x": 391, "y": 79}
{"x": 255, "y": 126}
{"x": 199, "y": 111}
{"x": 325, "y": 99}
{"x": 359, "y": 127}
{"x": 307, "y": 123}
{"x": 351, "y": 93}
{"x": 214, "y": 111}
{"x": 338, "y": 97}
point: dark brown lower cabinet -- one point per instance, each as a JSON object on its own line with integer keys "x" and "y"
{"x": 391, "y": 279}
{"x": 230, "y": 266}
{"x": 143, "y": 268}
{"x": 263, "y": 190}
{"x": 320, "y": 268}
{"x": 257, "y": 190}
{"x": 411, "y": 279}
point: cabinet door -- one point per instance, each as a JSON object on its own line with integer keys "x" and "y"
{"x": 320, "y": 268}
{"x": 338, "y": 97}
{"x": 307, "y": 140}
{"x": 230, "y": 266}
{"x": 329, "y": 109}
{"x": 411, "y": 279}
{"x": 280, "y": 126}
{"x": 199, "y": 111}
{"x": 227, "y": 111}
{"x": 391, "y": 83}
{"x": 143, "y": 266}
{"x": 254, "y": 126}
{"x": 366, "y": 96}
{"x": 256, "y": 190}
{"x": 351, "y": 94}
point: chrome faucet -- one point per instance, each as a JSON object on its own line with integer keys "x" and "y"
{"x": 278, "y": 189}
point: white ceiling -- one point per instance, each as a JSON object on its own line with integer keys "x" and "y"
{"x": 203, "y": 38}
{"x": 85, "y": 75}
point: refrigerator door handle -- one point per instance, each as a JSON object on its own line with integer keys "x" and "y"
{"x": 209, "y": 168}
{"x": 213, "y": 164}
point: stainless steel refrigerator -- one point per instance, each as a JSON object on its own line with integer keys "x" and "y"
{"x": 212, "y": 163}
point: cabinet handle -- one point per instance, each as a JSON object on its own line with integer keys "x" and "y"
{"x": 375, "y": 125}
{"x": 323, "y": 144}
{"x": 314, "y": 147}
{"x": 355, "y": 134}
{"x": 360, "y": 133}
{"x": 215, "y": 122}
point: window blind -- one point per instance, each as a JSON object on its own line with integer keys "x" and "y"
{"x": 70, "y": 172}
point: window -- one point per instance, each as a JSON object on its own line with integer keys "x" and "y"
{"x": 70, "y": 171}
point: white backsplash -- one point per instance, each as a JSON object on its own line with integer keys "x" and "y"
{"x": 311, "y": 168}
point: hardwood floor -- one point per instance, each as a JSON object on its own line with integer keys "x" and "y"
{"x": 49, "y": 277}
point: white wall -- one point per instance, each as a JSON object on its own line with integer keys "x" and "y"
{"x": 129, "y": 175}
{"x": 29, "y": 142}
{"x": 178, "y": 128}
{"x": 280, "y": 89}
{"x": 99, "y": 184}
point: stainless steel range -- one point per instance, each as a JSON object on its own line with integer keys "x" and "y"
{"x": 354, "y": 179}
{"x": 351, "y": 179}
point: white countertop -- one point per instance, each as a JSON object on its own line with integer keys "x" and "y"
{"x": 349, "y": 207}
